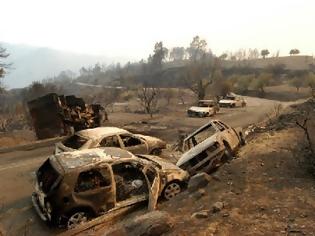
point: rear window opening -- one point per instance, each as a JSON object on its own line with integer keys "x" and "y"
{"x": 47, "y": 177}
{"x": 75, "y": 142}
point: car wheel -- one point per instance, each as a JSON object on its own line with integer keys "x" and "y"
{"x": 171, "y": 190}
{"x": 76, "y": 219}
{"x": 228, "y": 153}
{"x": 156, "y": 151}
{"x": 242, "y": 139}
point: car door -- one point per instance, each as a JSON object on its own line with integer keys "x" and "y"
{"x": 94, "y": 188}
{"x": 229, "y": 134}
{"x": 134, "y": 144}
{"x": 154, "y": 183}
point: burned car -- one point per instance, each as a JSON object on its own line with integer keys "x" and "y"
{"x": 204, "y": 108}
{"x": 53, "y": 115}
{"x": 73, "y": 187}
{"x": 232, "y": 101}
{"x": 208, "y": 147}
{"x": 111, "y": 137}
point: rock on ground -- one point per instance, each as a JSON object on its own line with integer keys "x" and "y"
{"x": 150, "y": 224}
{"x": 198, "y": 181}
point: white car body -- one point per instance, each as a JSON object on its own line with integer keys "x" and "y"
{"x": 204, "y": 108}
{"x": 232, "y": 101}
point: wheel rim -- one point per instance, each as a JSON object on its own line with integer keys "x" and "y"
{"x": 172, "y": 190}
{"x": 76, "y": 219}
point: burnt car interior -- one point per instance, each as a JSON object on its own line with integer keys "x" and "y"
{"x": 92, "y": 179}
{"x": 203, "y": 134}
{"x": 130, "y": 181}
{"x": 111, "y": 141}
{"x": 130, "y": 141}
{"x": 220, "y": 126}
{"x": 74, "y": 142}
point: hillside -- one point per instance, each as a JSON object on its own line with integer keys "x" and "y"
{"x": 35, "y": 63}
{"x": 291, "y": 62}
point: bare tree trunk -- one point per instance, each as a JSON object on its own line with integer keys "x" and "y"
{"x": 307, "y": 134}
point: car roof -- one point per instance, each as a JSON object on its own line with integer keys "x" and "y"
{"x": 84, "y": 159}
{"x": 100, "y": 132}
{"x": 199, "y": 129}
{"x": 206, "y": 100}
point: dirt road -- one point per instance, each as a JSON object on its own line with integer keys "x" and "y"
{"x": 17, "y": 168}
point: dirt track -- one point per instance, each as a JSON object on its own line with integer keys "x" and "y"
{"x": 17, "y": 167}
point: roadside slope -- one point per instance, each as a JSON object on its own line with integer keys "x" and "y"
{"x": 268, "y": 190}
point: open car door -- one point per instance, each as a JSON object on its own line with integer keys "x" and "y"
{"x": 153, "y": 179}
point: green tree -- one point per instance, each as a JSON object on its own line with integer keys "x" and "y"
{"x": 196, "y": 79}
{"x": 160, "y": 53}
{"x": 261, "y": 82}
{"x": 223, "y": 56}
{"x": 243, "y": 82}
{"x": 294, "y": 51}
{"x": 310, "y": 80}
{"x": 276, "y": 69}
{"x": 197, "y": 49}
{"x": 297, "y": 83}
{"x": 264, "y": 53}
{"x": 177, "y": 53}
{"x": 3, "y": 66}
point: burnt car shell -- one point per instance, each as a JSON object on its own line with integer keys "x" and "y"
{"x": 102, "y": 136}
{"x": 203, "y": 157}
{"x": 206, "y": 147}
{"x": 57, "y": 194}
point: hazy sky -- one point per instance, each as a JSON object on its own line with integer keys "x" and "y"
{"x": 129, "y": 28}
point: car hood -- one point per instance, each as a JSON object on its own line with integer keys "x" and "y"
{"x": 197, "y": 149}
{"x": 164, "y": 164}
{"x": 200, "y": 109}
{"x": 227, "y": 101}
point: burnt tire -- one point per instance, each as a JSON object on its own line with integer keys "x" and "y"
{"x": 156, "y": 151}
{"x": 242, "y": 139}
{"x": 202, "y": 115}
{"x": 228, "y": 153}
{"x": 77, "y": 218}
{"x": 171, "y": 190}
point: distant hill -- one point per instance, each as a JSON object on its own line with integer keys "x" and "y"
{"x": 291, "y": 62}
{"x": 298, "y": 62}
{"x": 34, "y": 63}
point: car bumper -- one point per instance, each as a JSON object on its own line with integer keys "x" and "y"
{"x": 40, "y": 211}
{"x": 226, "y": 104}
{"x": 197, "y": 114}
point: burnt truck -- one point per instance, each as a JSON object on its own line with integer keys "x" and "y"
{"x": 58, "y": 115}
